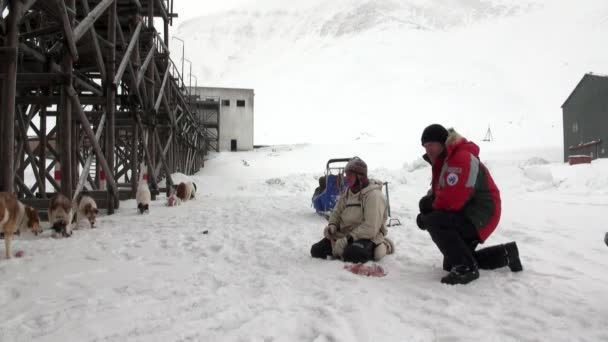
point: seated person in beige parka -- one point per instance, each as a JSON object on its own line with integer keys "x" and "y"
{"x": 356, "y": 231}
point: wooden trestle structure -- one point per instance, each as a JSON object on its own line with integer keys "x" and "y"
{"x": 92, "y": 84}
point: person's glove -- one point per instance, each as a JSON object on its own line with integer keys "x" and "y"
{"x": 426, "y": 204}
{"x": 330, "y": 231}
{"x": 420, "y": 221}
{"x": 340, "y": 245}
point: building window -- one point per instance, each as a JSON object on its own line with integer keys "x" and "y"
{"x": 574, "y": 127}
{"x": 226, "y": 103}
{"x": 240, "y": 103}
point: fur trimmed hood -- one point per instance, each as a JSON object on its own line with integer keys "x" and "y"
{"x": 456, "y": 141}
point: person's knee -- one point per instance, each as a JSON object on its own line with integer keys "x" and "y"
{"x": 359, "y": 251}
{"x": 437, "y": 220}
{"x": 380, "y": 251}
{"x": 321, "y": 249}
{"x": 426, "y": 204}
{"x": 315, "y": 251}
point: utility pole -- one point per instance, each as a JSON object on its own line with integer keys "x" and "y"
{"x": 183, "y": 54}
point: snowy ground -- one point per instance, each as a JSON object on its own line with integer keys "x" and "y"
{"x": 160, "y": 277}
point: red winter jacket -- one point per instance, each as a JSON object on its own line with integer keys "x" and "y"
{"x": 462, "y": 183}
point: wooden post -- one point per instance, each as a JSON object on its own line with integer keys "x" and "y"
{"x": 7, "y": 145}
{"x": 134, "y": 156}
{"x": 86, "y": 126}
{"x": 64, "y": 119}
{"x": 110, "y": 91}
{"x": 42, "y": 147}
{"x": 166, "y": 35}
{"x": 75, "y": 152}
{"x": 151, "y": 92}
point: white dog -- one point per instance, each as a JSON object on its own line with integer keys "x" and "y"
{"x": 193, "y": 189}
{"x": 143, "y": 196}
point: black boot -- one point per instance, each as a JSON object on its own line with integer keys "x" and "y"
{"x": 461, "y": 275}
{"x": 447, "y": 266}
{"x": 513, "y": 257}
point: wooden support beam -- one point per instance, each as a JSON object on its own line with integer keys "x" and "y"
{"x": 87, "y": 165}
{"x": 27, "y": 4}
{"x": 56, "y": 68}
{"x": 86, "y": 125}
{"x": 67, "y": 29}
{"x": 161, "y": 93}
{"x": 147, "y": 156}
{"x": 110, "y": 89}
{"x": 88, "y": 22}
{"x": 130, "y": 64}
{"x": 82, "y": 162}
{"x": 50, "y": 100}
{"x": 137, "y": 3}
{"x": 127, "y": 55}
{"x": 134, "y": 158}
{"x": 162, "y": 43}
{"x": 143, "y": 68}
{"x": 43, "y": 77}
{"x": 26, "y": 145}
{"x": 42, "y": 148}
{"x": 23, "y": 186}
{"x": 52, "y": 29}
{"x": 163, "y": 155}
{"x": 7, "y": 101}
{"x": 32, "y": 52}
{"x": 163, "y": 11}
{"x": 163, "y": 162}
{"x": 98, "y": 55}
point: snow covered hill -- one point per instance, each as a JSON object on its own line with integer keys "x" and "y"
{"x": 389, "y": 67}
{"x": 234, "y": 264}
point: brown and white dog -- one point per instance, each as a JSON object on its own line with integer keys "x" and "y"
{"x": 14, "y": 216}
{"x": 182, "y": 192}
{"x": 193, "y": 189}
{"x": 186, "y": 191}
{"x": 143, "y": 196}
{"x": 87, "y": 208}
{"x": 60, "y": 213}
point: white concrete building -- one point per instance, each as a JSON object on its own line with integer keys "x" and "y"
{"x": 229, "y": 113}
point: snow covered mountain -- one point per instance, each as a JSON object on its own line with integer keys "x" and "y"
{"x": 390, "y": 67}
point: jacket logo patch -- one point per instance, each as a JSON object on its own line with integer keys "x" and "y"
{"x": 452, "y": 179}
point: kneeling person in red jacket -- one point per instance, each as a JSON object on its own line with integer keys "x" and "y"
{"x": 462, "y": 208}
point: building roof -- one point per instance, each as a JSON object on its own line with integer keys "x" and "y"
{"x": 222, "y": 88}
{"x": 586, "y": 77}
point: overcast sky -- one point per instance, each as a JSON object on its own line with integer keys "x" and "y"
{"x": 187, "y": 9}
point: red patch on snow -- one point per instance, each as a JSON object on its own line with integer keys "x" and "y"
{"x": 19, "y": 254}
{"x": 366, "y": 270}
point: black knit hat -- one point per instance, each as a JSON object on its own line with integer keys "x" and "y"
{"x": 356, "y": 165}
{"x": 434, "y": 133}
